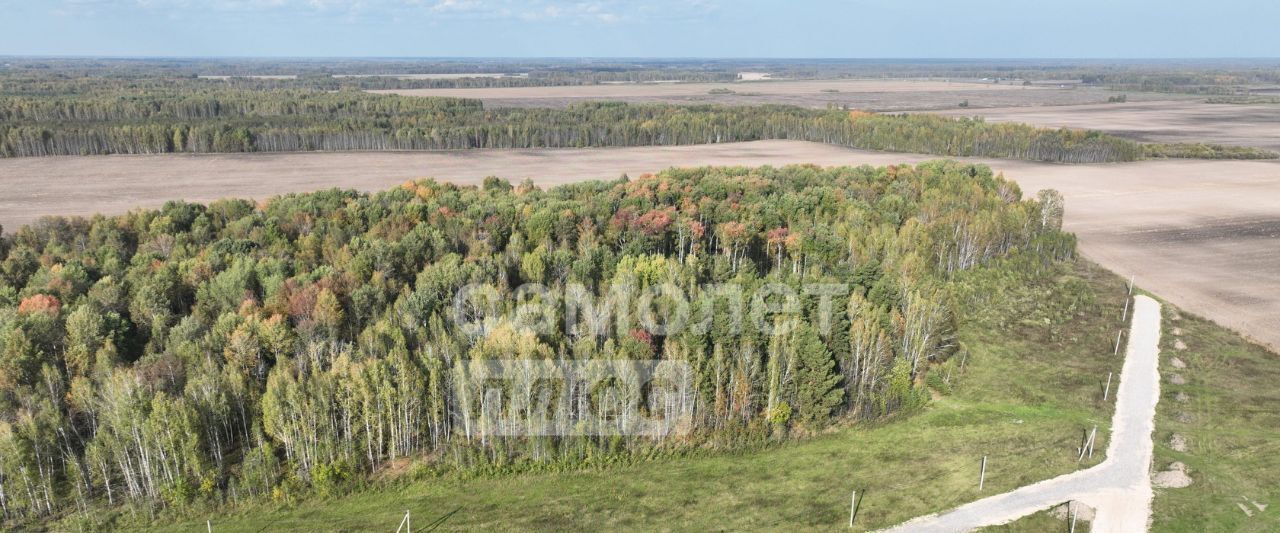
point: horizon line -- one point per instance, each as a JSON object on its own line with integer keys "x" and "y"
{"x": 641, "y": 57}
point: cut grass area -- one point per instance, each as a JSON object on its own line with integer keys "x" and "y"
{"x": 1229, "y": 413}
{"x": 1041, "y": 522}
{"x": 1039, "y": 353}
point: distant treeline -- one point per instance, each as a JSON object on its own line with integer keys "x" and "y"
{"x": 552, "y": 78}
{"x": 1244, "y": 100}
{"x": 1218, "y": 76}
{"x": 1204, "y": 151}
{"x": 284, "y": 121}
{"x": 39, "y": 85}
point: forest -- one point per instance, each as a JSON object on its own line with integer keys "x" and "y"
{"x": 51, "y": 107}
{"x": 239, "y": 351}
{"x": 185, "y": 120}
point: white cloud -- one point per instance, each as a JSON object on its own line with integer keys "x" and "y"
{"x": 458, "y": 6}
{"x": 570, "y": 11}
{"x": 600, "y": 11}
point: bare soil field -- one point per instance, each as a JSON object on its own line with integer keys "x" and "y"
{"x": 1186, "y": 121}
{"x": 875, "y": 95}
{"x": 1203, "y": 234}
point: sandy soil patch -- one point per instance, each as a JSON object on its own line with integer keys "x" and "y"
{"x": 1179, "y": 345}
{"x": 1177, "y": 363}
{"x": 1203, "y": 234}
{"x": 1157, "y": 121}
{"x": 1174, "y": 478}
{"x": 1181, "y": 397}
{"x": 1177, "y": 379}
{"x": 1178, "y": 443}
{"x": 1084, "y": 513}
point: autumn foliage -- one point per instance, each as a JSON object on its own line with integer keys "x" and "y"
{"x": 268, "y": 345}
{"x": 43, "y": 304}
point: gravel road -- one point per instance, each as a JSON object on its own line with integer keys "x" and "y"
{"x": 1119, "y": 489}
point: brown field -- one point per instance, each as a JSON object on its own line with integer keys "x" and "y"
{"x": 1187, "y": 121}
{"x": 1203, "y": 234}
{"x": 876, "y": 95}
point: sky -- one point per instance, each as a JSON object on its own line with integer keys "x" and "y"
{"x": 643, "y": 28}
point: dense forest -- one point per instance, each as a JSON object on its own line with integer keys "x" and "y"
{"x": 224, "y": 120}
{"x": 235, "y": 351}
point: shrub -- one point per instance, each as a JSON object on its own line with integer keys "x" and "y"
{"x": 329, "y": 479}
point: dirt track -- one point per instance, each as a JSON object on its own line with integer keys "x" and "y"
{"x": 1203, "y": 234}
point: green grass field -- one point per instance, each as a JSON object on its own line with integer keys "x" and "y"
{"x": 1032, "y": 384}
{"x": 1229, "y": 413}
{"x": 1041, "y": 522}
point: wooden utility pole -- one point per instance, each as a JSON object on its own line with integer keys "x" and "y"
{"x": 982, "y": 475}
{"x": 1087, "y": 446}
{"x": 1107, "y": 391}
{"x": 853, "y": 507}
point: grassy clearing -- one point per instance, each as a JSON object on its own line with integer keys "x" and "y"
{"x": 1229, "y": 413}
{"x": 1053, "y": 334}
